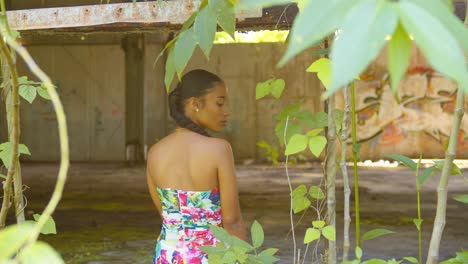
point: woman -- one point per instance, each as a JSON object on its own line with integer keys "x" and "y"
{"x": 191, "y": 175}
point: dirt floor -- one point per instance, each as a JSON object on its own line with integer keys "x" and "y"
{"x": 106, "y": 214}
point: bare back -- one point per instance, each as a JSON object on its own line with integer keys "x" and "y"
{"x": 186, "y": 161}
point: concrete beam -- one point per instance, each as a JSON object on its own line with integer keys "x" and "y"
{"x": 110, "y": 16}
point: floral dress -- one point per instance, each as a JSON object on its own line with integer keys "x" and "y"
{"x": 186, "y": 219}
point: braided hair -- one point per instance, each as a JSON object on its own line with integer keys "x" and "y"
{"x": 195, "y": 83}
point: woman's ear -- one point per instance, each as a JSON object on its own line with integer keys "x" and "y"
{"x": 194, "y": 104}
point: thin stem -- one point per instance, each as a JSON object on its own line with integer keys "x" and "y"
{"x": 290, "y": 193}
{"x": 344, "y": 171}
{"x": 442, "y": 192}
{"x": 418, "y": 191}
{"x": 355, "y": 169}
{"x": 331, "y": 176}
{"x": 13, "y": 129}
{"x": 63, "y": 136}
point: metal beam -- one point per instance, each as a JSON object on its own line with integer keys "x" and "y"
{"x": 150, "y": 13}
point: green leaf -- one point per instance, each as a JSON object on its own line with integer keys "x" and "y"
{"x": 323, "y": 69}
{"x": 444, "y": 15}
{"x": 296, "y": 144}
{"x": 237, "y": 242}
{"x": 211, "y": 250}
{"x": 264, "y": 145}
{"x": 411, "y": 259}
{"x": 221, "y": 234}
{"x": 316, "y": 193}
{"x": 290, "y": 111}
{"x": 277, "y": 88}
{"x": 376, "y": 233}
{"x": 318, "y": 224}
{"x": 417, "y": 222}
{"x": 300, "y": 204}
{"x": 292, "y": 129}
{"x": 40, "y": 252}
{"x": 183, "y": 50}
{"x": 329, "y": 233}
{"x": 266, "y": 256}
{"x": 205, "y": 30}
{"x": 439, "y": 46}
{"x": 170, "y": 70}
{"x": 12, "y": 238}
{"x": 428, "y": 172}
{"x": 409, "y": 163}
{"x": 257, "y": 234}
{"x": 317, "y": 120}
{"x": 28, "y": 92}
{"x": 189, "y": 22}
{"x": 262, "y": 89}
{"x": 363, "y": 35}
{"x": 311, "y": 235}
{"x": 229, "y": 257}
{"x": 462, "y": 198}
{"x": 312, "y": 24}
{"x": 225, "y": 14}
{"x": 399, "y": 51}
{"x": 49, "y": 227}
{"x": 300, "y": 190}
{"x": 314, "y": 132}
{"x": 5, "y": 152}
{"x": 42, "y": 91}
{"x": 358, "y": 252}
{"x": 317, "y": 144}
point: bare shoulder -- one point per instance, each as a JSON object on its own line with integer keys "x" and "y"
{"x": 220, "y": 145}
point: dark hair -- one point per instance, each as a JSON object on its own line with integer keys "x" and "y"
{"x": 195, "y": 83}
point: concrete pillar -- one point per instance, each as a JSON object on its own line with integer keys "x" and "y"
{"x": 133, "y": 45}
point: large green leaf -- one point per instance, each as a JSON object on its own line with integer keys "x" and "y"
{"x": 375, "y": 261}
{"x": 462, "y": 198}
{"x": 221, "y": 234}
{"x": 329, "y": 233}
{"x": 42, "y": 91}
{"x": 311, "y": 235}
{"x": 183, "y": 50}
{"x": 317, "y": 144}
{"x": 409, "y": 163}
{"x": 205, "y": 29}
{"x": 316, "y": 21}
{"x": 266, "y": 256}
{"x": 318, "y": 224}
{"x": 49, "y": 227}
{"x": 300, "y": 203}
{"x": 411, "y": 259}
{"x": 170, "y": 70}
{"x": 323, "y": 69}
{"x": 361, "y": 38}
{"x": 376, "y": 233}
{"x": 445, "y": 16}
{"x": 398, "y": 56}
{"x": 28, "y": 92}
{"x": 296, "y": 144}
{"x": 438, "y": 45}
{"x": 225, "y": 12}
{"x": 257, "y": 234}
{"x": 40, "y": 253}
{"x": 12, "y": 238}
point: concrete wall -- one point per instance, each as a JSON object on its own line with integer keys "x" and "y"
{"x": 90, "y": 81}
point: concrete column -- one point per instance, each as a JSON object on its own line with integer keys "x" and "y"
{"x": 133, "y": 45}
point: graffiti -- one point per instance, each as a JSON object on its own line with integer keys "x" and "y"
{"x": 426, "y": 105}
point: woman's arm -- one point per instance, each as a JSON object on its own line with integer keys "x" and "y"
{"x": 231, "y": 213}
